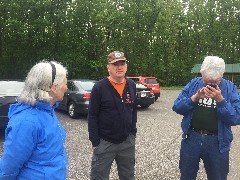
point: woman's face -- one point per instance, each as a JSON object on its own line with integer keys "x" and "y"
{"x": 61, "y": 89}
{"x": 57, "y": 91}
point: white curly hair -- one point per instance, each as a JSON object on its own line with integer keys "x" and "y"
{"x": 213, "y": 67}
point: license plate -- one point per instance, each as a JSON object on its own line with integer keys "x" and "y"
{"x": 143, "y": 94}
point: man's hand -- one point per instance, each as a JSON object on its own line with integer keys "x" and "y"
{"x": 200, "y": 94}
{"x": 213, "y": 93}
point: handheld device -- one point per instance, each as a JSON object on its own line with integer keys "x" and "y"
{"x": 212, "y": 85}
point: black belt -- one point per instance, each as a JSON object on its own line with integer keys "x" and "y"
{"x": 204, "y": 132}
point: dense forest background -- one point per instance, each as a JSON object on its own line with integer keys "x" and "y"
{"x": 162, "y": 38}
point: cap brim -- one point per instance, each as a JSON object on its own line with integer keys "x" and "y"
{"x": 116, "y": 60}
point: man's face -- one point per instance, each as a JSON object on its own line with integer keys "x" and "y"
{"x": 207, "y": 80}
{"x": 117, "y": 69}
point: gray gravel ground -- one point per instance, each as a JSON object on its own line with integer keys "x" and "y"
{"x": 157, "y": 144}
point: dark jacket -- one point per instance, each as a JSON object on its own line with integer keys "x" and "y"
{"x": 228, "y": 110}
{"x": 110, "y": 116}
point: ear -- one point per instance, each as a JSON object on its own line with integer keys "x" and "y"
{"x": 54, "y": 88}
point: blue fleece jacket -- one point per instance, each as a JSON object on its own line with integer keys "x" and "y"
{"x": 34, "y": 144}
{"x": 112, "y": 117}
{"x": 228, "y": 110}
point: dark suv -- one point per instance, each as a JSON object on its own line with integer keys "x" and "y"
{"x": 150, "y": 82}
{"x": 145, "y": 95}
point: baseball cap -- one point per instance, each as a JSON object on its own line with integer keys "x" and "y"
{"x": 116, "y": 56}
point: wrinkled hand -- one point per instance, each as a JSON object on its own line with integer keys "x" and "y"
{"x": 200, "y": 94}
{"x": 208, "y": 92}
{"x": 213, "y": 93}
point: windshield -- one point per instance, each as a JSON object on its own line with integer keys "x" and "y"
{"x": 11, "y": 88}
{"x": 150, "y": 81}
{"x": 138, "y": 85}
{"x": 86, "y": 85}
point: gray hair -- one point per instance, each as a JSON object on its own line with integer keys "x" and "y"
{"x": 39, "y": 82}
{"x": 213, "y": 67}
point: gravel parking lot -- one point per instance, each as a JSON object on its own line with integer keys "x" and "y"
{"x": 157, "y": 144}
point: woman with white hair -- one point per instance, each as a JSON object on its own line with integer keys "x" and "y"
{"x": 210, "y": 105}
{"x": 34, "y": 138}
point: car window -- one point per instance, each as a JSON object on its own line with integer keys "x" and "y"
{"x": 140, "y": 86}
{"x": 11, "y": 88}
{"x": 135, "y": 79}
{"x": 150, "y": 81}
{"x": 86, "y": 85}
{"x": 70, "y": 86}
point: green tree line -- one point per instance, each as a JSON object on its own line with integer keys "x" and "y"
{"x": 161, "y": 38}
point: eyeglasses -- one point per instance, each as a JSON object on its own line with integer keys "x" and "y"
{"x": 217, "y": 81}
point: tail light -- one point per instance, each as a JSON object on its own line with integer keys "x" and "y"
{"x": 149, "y": 85}
{"x": 87, "y": 96}
{"x": 151, "y": 92}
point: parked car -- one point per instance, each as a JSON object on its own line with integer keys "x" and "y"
{"x": 145, "y": 95}
{"x": 76, "y": 98}
{"x": 150, "y": 82}
{"x": 9, "y": 91}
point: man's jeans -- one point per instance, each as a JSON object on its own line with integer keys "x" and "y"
{"x": 105, "y": 153}
{"x": 198, "y": 146}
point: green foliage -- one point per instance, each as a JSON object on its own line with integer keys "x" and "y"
{"x": 160, "y": 38}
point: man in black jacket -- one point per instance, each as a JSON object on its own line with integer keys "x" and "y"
{"x": 112, "y": 121}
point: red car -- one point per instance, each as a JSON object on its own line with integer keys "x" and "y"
{"x": 150, "y": 82}
{"x": 145, "y": 95}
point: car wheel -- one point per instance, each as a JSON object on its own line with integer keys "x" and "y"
{"x": 72, "y": 111}
{"x": 156, "y": 98}
{"x": 144, "y": 106}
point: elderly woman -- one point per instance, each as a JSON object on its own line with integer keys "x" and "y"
{"x": 210, "y": 105}
{"x": 34, "y": 138}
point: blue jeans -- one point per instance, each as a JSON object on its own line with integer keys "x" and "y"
{"x": 204, "y": 147}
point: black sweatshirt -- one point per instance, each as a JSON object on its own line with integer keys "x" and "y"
{"x": 110, "y": 116}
